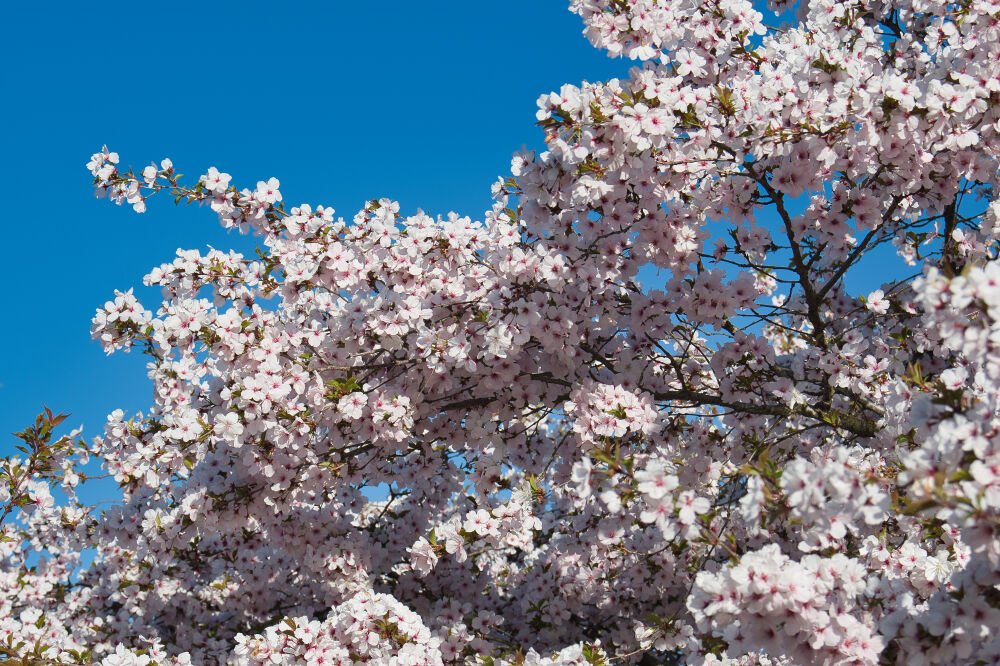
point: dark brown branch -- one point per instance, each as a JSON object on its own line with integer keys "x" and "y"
{"x": 831, "y": 417}
{"x": 856, "y": 252}
{"x": 948, "y": 265}
{"x": 798, "y": 262}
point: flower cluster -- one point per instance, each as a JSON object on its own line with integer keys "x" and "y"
{"x": 820, "y": 500}
{"x": 601, "y": 412}
{"x": 806, "y": 610}
{"x": 365, "y": 628}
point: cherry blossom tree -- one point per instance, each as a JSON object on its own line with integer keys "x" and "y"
{"x": 408, "y": 440}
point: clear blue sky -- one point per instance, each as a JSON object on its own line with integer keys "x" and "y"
{"x": 343, "y": 102}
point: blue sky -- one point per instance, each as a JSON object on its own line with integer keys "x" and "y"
{"x": 343, "y": 102}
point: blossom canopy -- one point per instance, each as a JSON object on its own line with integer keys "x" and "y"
{"x": 741, "y": 463}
